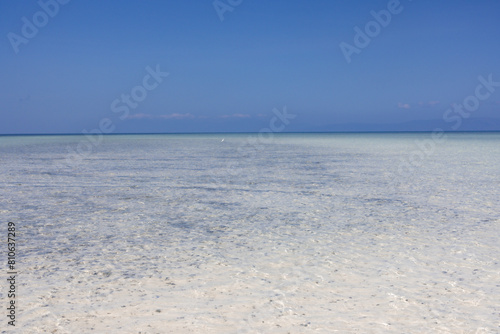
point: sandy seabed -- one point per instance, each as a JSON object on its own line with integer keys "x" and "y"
{"x": 156, "y": 236}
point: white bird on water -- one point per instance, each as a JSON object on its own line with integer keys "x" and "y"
{"x": 222, "y": 140}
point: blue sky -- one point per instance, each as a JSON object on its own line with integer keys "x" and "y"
{"x": 229, "y": 75}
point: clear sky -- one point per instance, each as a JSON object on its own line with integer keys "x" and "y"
{"x": 67, "y": 67}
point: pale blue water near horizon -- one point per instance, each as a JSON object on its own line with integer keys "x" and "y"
{"x": 225, "y": 233}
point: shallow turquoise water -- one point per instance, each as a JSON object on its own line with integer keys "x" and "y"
{"x": 354, "y": 232}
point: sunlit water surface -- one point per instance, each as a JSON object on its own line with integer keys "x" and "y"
{"x": 299, "y": 233}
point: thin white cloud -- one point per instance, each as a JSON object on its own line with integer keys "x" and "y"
{"x": 236, "y": 116}
{"x": 182, "y": 116}
{"x": 403, "y": 105}
{"x": 167, "y": 116}
{"x": 177, "y": 116}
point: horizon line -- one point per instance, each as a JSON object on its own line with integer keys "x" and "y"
{"x": 240, "y": 132}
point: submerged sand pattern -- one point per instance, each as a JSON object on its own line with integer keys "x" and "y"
{"x": 305, "y": 234}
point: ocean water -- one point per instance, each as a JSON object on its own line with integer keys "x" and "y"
{"x": 236, "y": 233}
